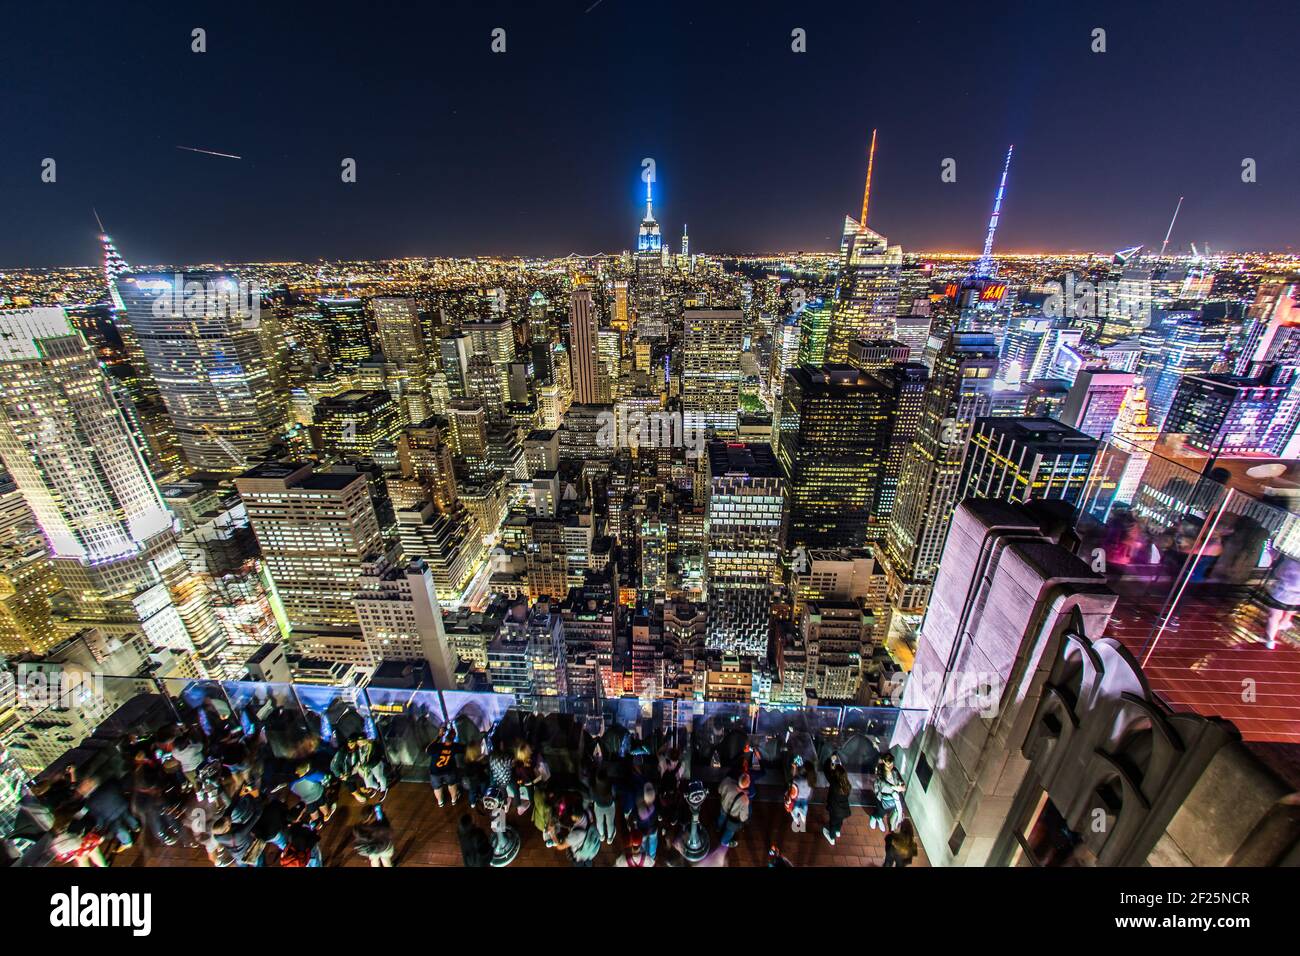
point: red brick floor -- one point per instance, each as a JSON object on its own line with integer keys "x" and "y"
{"x": 1211, "y": 660}
{"x": 427, "y": 837}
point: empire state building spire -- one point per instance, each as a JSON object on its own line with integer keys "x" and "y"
{"x": 648, "y": 238}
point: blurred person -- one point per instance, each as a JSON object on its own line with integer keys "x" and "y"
{"x": 635, "y": 854}
{"x": 109, "y": 810}
{"x": 800, "y": 794}
{"x": 582, "y": 840}
{"x": 474, "y": 774}
{"x": 775, "y": 858}
{"x": 603, "y": 805}
{"x": 372, "y": 838}
{"x": 1280, "y": 596}
{"x": 645, "y": 818}
{"x": 475, "y": 844}
{"x": 446, "y": 766}
{"x": 733, "y": 797}
{"x": 900, "y": 846}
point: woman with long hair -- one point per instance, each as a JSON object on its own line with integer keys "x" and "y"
{"x": 837, "y": 800}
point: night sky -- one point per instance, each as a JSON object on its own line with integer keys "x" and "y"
{"x": 537, "y": 151}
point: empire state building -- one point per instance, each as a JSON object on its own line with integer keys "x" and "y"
{"x": 648, "y": 238}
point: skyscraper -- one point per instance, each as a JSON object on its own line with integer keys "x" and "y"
{"x": 867, "y": 295}
{"x": 584, "y": 349}
{"x": 648, "y": 238}
{"x": 960, "y": 391}
{"x": 398, "y": 325}
{"x": 346, "y": 331}
{"x": 315, "y": 530}
{"x": 1095, "y": 400}
{"x": 351, "y": 425}
{"x": 833, "y": 445}
{"x": 711, "y": 345}
{"x": 744, "y": 535}
{"x": 401, "y": 620}
{"x": 198, "y": 331}
{"x": 65, "y": 443}
{"x": 27, "y": 578}
{"x": 1027, "y": 459}
{"x": 908, "y": 383}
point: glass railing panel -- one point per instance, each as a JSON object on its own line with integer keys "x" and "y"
{"x": 408, "y": 722}
{"x": 1221, "y": 549}
{"x": 717, "y": 732}
{"x": 204, "y": 699}
{"x": 864, "y": 735}
{"x": 481, "y": 712}
{"x": 274, "y": 709}
{"x": 341, "y": 712}
{"x": 1144, "y": 523}
{"x": 782, "y": 733}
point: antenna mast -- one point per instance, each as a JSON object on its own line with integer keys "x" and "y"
{"x": 985, "y": 265}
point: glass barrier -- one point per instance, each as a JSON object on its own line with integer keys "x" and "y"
{"x": 305, "y": 724}
{"x": 1205, "y": 557}
{"x": 408, "y": 722}
{"x": 864, "y": 735}
{"x": 273, "y": 709}
{"x": 342, "y": 713}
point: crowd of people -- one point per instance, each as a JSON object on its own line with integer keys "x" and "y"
{"x": 257, "y": 785}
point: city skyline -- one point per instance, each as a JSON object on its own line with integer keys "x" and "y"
{"x": 458, "y": 161}
{"x": 400, "y": 434}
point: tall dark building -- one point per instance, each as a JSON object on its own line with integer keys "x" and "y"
{"x": 833, "y": 445}
{"x": 347, "y": 333}
{"x": 908, "y": 382}
{"x": 1025, "y": 459}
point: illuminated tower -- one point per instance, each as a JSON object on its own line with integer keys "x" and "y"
{"x": 711, "y": 342}
{"x": 199, "y": 333}
{"x": 985, "y": 267}
{"x": 398, "y": 325}
{"x": 652, "y": 318}
{"x": 870, "y": 274}
{"x": 132, "y": 381}
{"x": 64, "y": 441}
{"x": 981, "y": 293}
{"x": 620, "y": 320}
{"x": 648, "y": 238}
{"x": 114, "y": 266}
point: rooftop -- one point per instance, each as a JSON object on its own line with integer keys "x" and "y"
{"x": 754, "y": 459}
